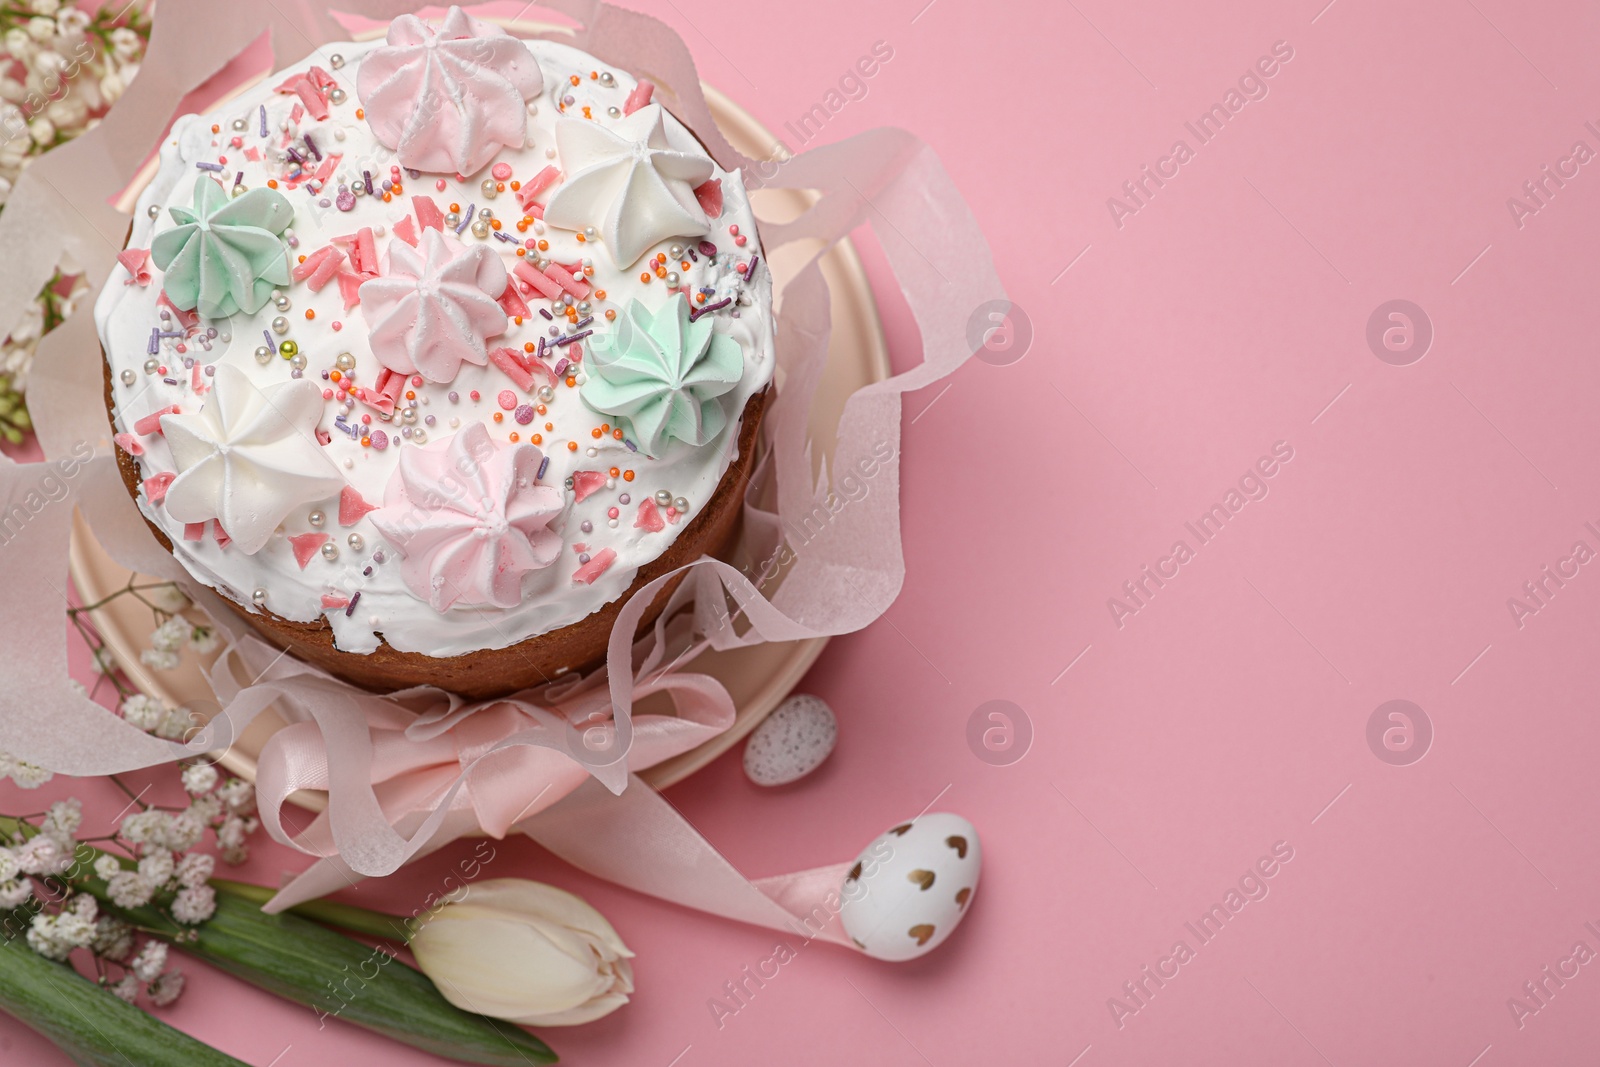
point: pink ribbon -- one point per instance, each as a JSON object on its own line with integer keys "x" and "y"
{"x": 422, "y": 766}
{"x": 418, "y": 769}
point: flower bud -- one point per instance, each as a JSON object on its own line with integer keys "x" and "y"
{"x": 526, "y": 952}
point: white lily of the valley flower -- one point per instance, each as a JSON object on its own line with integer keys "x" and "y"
{"x": 526, "y": 952}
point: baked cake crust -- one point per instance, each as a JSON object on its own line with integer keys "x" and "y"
{"x": 493, "y": 672}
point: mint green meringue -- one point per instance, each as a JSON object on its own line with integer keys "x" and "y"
{"x": 225, "y": 255}
{"x": 663, "y": 374}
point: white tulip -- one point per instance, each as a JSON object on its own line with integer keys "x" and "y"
{"x": 526, "y": 952}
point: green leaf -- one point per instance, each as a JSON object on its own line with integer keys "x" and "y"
{"x": 339, "y": 977}
{"x": 327, "y": 912}
{"x": 86, "y": 1022}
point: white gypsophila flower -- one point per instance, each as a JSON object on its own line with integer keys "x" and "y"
{"x": 156, "y": 659}
{"x": 205, "y": 807}
{"x": 104, "y": 661}
{"x": 171, "y": 635}
{"x": 234, "y": 830}
{"x": 231, "y": 833}
{"x": 195, "y": 868}
{"x": 150, "y": 961}
{"x": 78, "y": 687}
{"x": 25, "y": 774}
{"x": 169, "y": 598}
{"x": 113, "y": 938}
{"x": 63, "y": 818}
{"x": 142, "y": 827}
{"x": 74, "y": 931}
{"x": 177, "y": 723}
{"x": 128, "y": 890}
{"x": 194, "y": 904}
{"x": 204, "y": 639}
{"x": 231, "y": 839}
{"x": 165, "y": 989}
{"x": 28, "y": 776}
{"x": 126, "y": 988}
{"x": 199, "y": 778}
{"x": 44, "y": 7}
{"x": 184, "y": 831}
{"x": 238, "y": 795}
{"x": 43, "y": 855}
{"x": 106, "y": 868}
{"x": 85, "y": 906}
{"x": 55, "y": 936}
{"x": 9, "y": 865}
{"x": 15, "y": 893}
{"x": 156, "y": 866}
{"x": 44, "y": 939}
{"x": 145, "y": 712}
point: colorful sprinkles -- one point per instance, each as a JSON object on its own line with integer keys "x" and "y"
{"x": 552, "y": 272}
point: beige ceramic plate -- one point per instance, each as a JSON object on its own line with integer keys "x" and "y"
{"x": 757, "y": 678}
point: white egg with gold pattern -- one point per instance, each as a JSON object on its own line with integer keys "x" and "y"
{"x": 911, "y": 887}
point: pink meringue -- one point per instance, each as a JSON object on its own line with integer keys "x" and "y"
{"x": 469, "y": 519}
{"x": 434, "y": 306}
{"x": 447, "y": 100}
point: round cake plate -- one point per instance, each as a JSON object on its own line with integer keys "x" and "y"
{"x": 757, "y": 677}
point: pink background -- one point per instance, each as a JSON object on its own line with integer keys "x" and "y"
{"x": 1230, "y": 712}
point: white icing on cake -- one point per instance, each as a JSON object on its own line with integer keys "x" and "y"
{"x": 387, "y": 608}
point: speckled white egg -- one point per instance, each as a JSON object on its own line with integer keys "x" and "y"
{"x": 912, "y": 886}
{"x": 791, "y": 742}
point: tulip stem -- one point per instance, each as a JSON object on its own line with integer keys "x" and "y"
{"x": 328, "y": 912}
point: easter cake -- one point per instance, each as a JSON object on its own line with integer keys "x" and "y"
{"x": 429, "y": 351}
